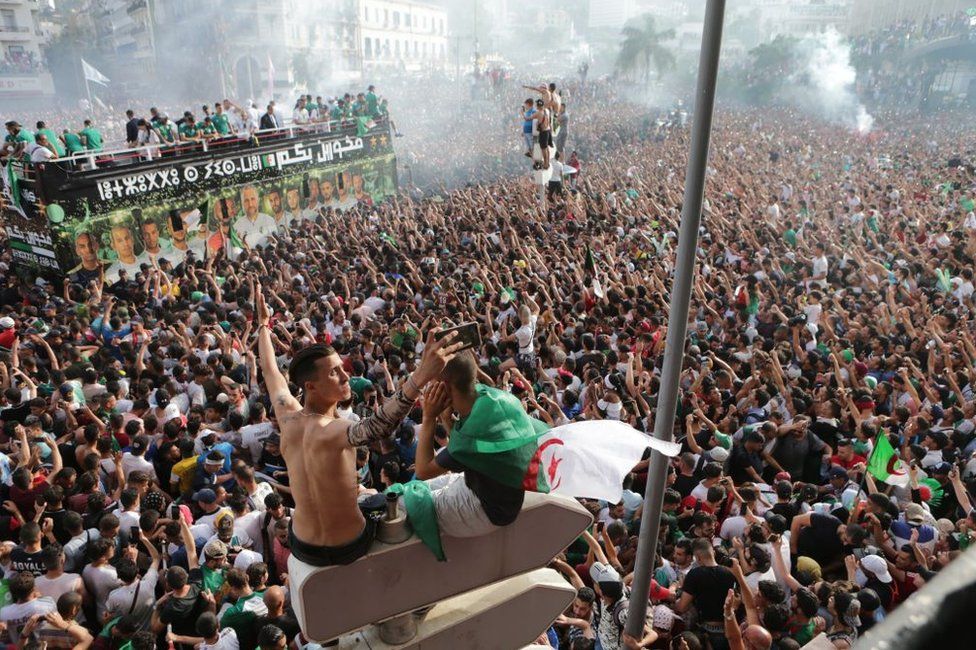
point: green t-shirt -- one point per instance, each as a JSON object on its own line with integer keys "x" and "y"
{"x": 188, "y": 130}
{"x": 371, "y": 103}
{"x": 73, "y": 142}
{"x": 336, "y": 113}
{"x": 212, "y": 580}
{"x": 398, "y": 338}
{"x": 165, "y": 131}
{"x": 790, "y": 237}
{"x": 205, "y": 128}
{"x": 53, "y": 139}
{"x": 804, "y": 635}
{"x": 94, "y": 138}
{"x": 221, "y": 123}
{"x": 22, "y": 136}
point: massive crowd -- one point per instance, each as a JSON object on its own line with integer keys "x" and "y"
{"x": 147, "y": 500}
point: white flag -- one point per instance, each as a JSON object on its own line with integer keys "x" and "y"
{"x": 591, "y": 458}
{"x": 91, "y": 74}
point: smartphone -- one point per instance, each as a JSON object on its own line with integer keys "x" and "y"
{"x": 174, "y": 512}
{"x": 599, "y": 526}
{"x": 467, "y": 333}
{"x": 134, "y": 534}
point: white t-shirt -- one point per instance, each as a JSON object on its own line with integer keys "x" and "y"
{"x": 125, "y": 599}
{"x": 820, "y": 268}
{"x": 100, "y": 581}
{"x": 55, "y": 588}
{"x": 131, "y": 463}
{"x": 17, "y": 615}
{"x": 226, "y": 640}
{"x": 525, "y": 336}
{"x": 255, "y": 232}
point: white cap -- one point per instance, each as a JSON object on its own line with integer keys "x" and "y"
{"x": 718, "y": 454}
{"x": 601, "y": 572}
{"x": 877, "y": 566}
{"x": 6, "y": 323}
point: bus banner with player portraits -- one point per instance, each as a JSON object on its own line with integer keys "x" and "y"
{"x": 89, "y": 223}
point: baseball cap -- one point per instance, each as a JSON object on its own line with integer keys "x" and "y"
{"x": 941, "y": 468}
{"x": 139, "y": 443}
{"x": 838, "y": 472}
{"x": 718, "y": 454}
{"x": 273, "y": 439}
{"x": 876, "y": 566}
{"x": 603, "y": 574}
{"x": 6, "y": 323}
{"x": 206, "y": 495}
{"x": 724, "y": 440}
{"x": 915, "y": 514}
{"x": 215, "y": 548}
{"x": 809, "y": 565}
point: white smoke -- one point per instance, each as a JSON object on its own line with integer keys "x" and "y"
{"x": 827, "y": 79}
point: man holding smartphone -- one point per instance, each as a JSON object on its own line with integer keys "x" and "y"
{"x": 320, "y": 447}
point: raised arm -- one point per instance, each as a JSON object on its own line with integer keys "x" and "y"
{"x": 281, "y": 398}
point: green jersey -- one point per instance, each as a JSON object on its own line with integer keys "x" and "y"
{"x": 371, "y": 103}
{"x": 221, "y": 123}
{"x": 53, "y": 139}
{"x": 23, "y": 135}
{"x": 73, "y": 142}
{"x": 205, "y": 128}
{"x": 93, "y": 138}
{"x": 166, "y": 131}
{"x": 188, "y": 130}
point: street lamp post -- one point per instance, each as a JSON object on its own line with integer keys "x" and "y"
{"x": 678, "y": 317}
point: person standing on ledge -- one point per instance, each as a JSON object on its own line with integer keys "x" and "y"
{"x": 320, "y": 448}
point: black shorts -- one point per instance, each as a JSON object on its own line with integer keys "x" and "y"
{"x": 545, "y": 139}
{"x": 333, "y": 555}
{"x": 556, "y": 187}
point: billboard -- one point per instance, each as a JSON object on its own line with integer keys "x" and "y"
{"x": 83, "y": 224}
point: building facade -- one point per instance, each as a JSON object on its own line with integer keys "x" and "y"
{"x": 23, "y": 73}
{"x": 402, "y": 34}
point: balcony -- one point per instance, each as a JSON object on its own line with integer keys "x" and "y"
{"x": 15, "y": 33}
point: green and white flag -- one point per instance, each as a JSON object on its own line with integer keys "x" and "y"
{"x": 885, "y": 465}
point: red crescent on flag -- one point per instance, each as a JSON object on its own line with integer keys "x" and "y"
{"x": 891, "y": 466}
{"x": 530, "y": 481}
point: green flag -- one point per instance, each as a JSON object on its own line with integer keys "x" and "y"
{"x": 500, "y": 440}
{"x": 14, "y": 185}
{"x": 885, "y": 465}
{"x": 590, "y": 263}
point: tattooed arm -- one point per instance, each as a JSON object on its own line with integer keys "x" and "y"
{"x": 383, "y": 423}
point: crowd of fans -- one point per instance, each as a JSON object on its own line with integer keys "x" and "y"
{"x": 145, "y": 495}
{"x": 221, "y": 120}
{"x": 23, "y": 62}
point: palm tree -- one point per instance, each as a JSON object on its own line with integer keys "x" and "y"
{"x": 642, "y": 46}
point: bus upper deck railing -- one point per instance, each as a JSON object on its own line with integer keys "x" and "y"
{"x": 91, "y": 160}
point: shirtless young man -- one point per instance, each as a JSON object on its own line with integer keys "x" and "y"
{"x": 320, "y": 448}
{"x": 543, "y": 116}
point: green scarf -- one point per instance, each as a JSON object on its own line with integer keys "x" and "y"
{"x": 419, "y": 503}
{"x": 500, "y": 440}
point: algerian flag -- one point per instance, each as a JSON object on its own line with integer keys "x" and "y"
{"x": 590, "y": 266}
{"x": 885, "y": 465}
{"x": 582, "y": 459}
